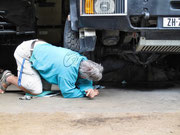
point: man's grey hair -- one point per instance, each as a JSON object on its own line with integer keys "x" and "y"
{"x": 90, "y": 70}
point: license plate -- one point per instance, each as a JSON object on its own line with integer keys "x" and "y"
{"x": 171, "y": 22}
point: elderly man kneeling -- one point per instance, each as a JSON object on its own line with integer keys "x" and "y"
{"x": 72, "y": 72}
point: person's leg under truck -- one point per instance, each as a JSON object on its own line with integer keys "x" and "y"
{"x": 31, "y": 79}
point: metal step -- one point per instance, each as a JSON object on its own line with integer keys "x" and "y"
{"x": 171, "y": 46}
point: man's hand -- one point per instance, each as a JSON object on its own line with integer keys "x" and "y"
{"x": 96, "y": 92}
{"x": 92, "y": 93}
{"x": 1, "y": 91}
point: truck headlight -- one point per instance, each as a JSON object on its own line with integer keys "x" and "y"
{"x": 104, "y": 6}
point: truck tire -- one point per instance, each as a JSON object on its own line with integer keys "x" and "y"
{"x": 71, "y": 38}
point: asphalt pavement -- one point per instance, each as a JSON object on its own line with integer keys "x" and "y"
{"x": 116, "y": 110}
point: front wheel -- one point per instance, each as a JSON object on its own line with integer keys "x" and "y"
{"x": 71, "y": 38}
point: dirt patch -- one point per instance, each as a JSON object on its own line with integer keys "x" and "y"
{"x": 88, "y": 124}
{"x": 96, "y": 121}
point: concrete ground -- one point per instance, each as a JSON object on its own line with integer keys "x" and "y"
{"x": 116, "y": 111}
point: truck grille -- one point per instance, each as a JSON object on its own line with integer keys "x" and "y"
{"x": 171, "y": 46}
{"x": 103, "y": 7}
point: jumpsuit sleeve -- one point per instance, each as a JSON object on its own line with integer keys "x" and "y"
{"x": 84, "y": 84}
{"x": 69, "y": 90}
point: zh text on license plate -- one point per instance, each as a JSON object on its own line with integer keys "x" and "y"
{"x": 171, "y": 22}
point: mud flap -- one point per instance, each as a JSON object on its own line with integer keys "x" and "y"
{"x": 87, "y": 44}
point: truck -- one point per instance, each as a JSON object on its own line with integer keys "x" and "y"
{"x": 138, "y": 38}
{"x": 22, "y": 20}
{"x": 135, "y": 40}
{"x": 17, "y": 23}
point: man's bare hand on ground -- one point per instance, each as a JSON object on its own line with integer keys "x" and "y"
{"x": 1, "y": 91}
{"x": 91, "y": 93}
{"x": 96, "y": 92}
